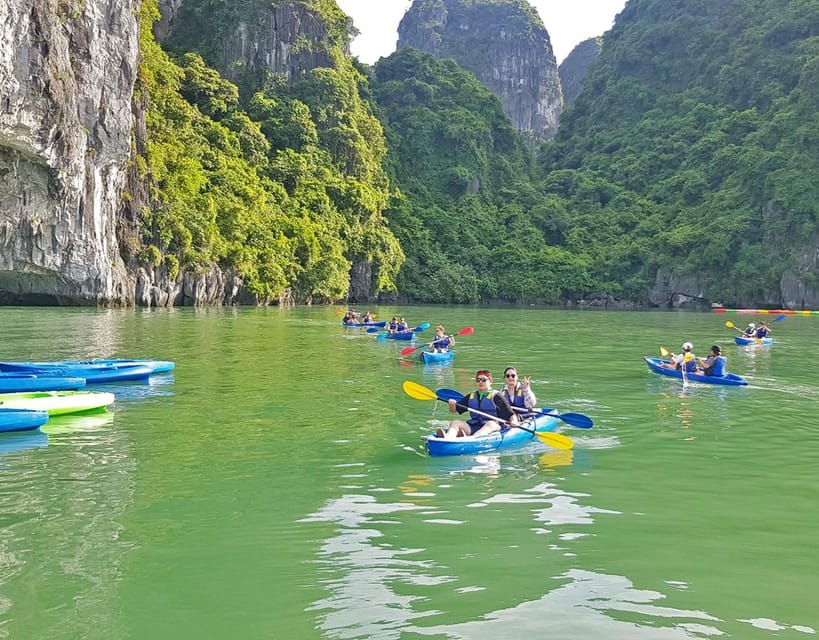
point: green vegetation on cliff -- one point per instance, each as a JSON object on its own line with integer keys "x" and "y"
{"x": 693, "y": 148}
{"x": 287, "y": 190}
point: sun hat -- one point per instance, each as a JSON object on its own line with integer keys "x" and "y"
{"x": 687, "y": 346}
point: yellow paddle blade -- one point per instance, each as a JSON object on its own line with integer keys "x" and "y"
{"x": 418, "y": 391}
{"x": 729, "y": 324}
{"x": 555, "y": 440}
{"x": 664, "y": 352}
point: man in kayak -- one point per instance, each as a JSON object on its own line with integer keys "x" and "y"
{"x": 714, "y": 364}
{"x": 762, "y": 331}
{"x": 750, "y": 330}
{"x": 484, "y": 400}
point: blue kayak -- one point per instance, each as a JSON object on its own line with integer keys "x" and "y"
{"x": 380, "y": 325}
{"x": 21, "y": 419}
{"x": 92, "y": 372}
{"x": 742, "y": 340}
{"x": 504, "y": 439}
{"x": 12, "y": 382}
{"x": 433, "y": 356}
{"x": 729, "y": 379}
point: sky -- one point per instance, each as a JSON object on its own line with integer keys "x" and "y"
{"x": 569, "y": 22}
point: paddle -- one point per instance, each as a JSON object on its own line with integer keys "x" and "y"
{"x": 463, "y": 332}
{"x": 556, "y": 440}
{"x": 421, "y": 327}
{"x": 573, "y": 419}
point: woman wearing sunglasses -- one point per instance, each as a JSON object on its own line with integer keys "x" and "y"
{"x": 518, "y": 392}
{"x": 484, "y": 399}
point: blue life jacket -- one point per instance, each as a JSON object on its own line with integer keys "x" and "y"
{"x": 486, "y": 405}
{"x": 517, "y": 399}
{"x": 719, "y": 366}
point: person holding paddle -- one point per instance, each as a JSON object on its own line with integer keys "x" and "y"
{"x": 714, "y": 364}
{"x": 441, "y": 342}
{"x": 485, "y": 399}
{"x": 750, "y": 330}
{"x": 517, "y": 392}
{"x": 762, "y": 331}
{"x": 685, "y": 359}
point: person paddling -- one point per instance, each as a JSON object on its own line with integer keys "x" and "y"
{"x": 484, "y": 399}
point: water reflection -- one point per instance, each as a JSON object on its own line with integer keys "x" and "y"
{"x": 14, "y": 442}
{"x": 378, "y": 591}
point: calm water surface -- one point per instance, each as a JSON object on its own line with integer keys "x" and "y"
{"x": 275, "y": 485}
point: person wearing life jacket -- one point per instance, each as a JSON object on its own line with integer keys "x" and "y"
{"x": 392, "y": 327}
{"x": 686, "y": 359}
{"x": 762, "y": 331}
{"x": 518, "y": 392}
{"x": 441, "y": 343}
{"x": 714, "y": 364}
{"x": 495, "y": 409}
{"x": 367, "y": 318}
{"x": 750, "y": 331}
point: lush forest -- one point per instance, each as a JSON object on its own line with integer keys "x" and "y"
{"x": 691, "y": 151}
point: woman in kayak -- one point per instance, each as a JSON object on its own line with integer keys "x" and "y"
{"x": 485, "y": 400}
{"x": 517, "y": 392}
{"x": 440, "y": 343}
{"x": 686, "y": 358}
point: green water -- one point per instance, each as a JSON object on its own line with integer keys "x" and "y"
{"x": 275, "y": 485}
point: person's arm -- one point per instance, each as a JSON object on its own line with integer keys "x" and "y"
{"x": 503, "y": 407}
{"x": 458, "y": 406}
{"x": 529, "y": 399}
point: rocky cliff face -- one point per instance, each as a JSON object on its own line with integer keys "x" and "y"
{"x": 504, "y": 44}
{"x": 575, "y": 67}
{"x": 66, "y": 81}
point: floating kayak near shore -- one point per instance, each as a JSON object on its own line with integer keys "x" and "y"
{"x": 56, "y": 403}
{"x": 21, "y": 419}
{"x": 12, "y": 382}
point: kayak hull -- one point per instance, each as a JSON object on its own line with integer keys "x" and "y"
{"x": 92, "y": 372}
{"x": 729, "y": 379}
{"x": 746, "y": 341}
{"x": 430, "y": 356}
{"x": 381, "y": 324}
{"x": 15, "y": 382}
{"x": 505, "y": 439}
{"x": 57, "y": 403}
{"x": 21, "y": 419}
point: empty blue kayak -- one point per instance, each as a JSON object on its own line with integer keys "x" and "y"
{"x": 504, "y": 439}
{"x": 742, "y": 341}
{"x": 431, "y": 356}
{"x": 729, "y": 379}
{"x": 92, "y": 372}
{"x": 12, "y": 382}
{"x": 21, "y": 419}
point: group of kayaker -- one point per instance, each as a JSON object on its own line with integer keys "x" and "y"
{"x": 712, "y": 365}
{"x": 351, "y": 317}
{"x": 397, "y": 325}
{"x": 491, "y": 410}
{"x": 759, "y": 332}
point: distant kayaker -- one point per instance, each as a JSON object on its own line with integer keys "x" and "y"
{"x": 441, "y": 342}
{"x": 714, "y": 364}
{"x": 485, "y": 400}
{"x": 518, "y": 392}
{"x": 686, "y": 358}
{"x": 402, "y": 325}
{"x": 392, "y": 327}
{"x": 762, "y": 331}
{"x": 750, "y": 330}
{"x": 367, "y": 318}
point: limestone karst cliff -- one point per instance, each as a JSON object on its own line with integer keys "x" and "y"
{"x": 66, "y": 81}
{"x": 574, "y": 68}
{"x": 504, "y": 44}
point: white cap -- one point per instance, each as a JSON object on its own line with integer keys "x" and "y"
{"x": 751, "y": 324}
{"x": 687, "y": 346}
